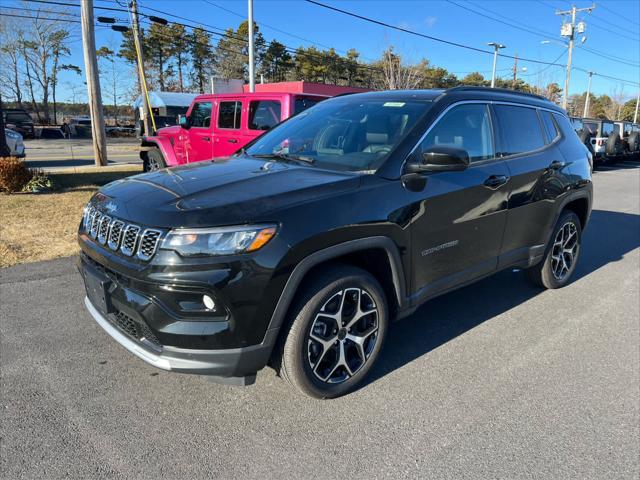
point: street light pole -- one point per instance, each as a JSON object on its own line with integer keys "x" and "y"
{"x": 496, "y": 47}
{"x": 252, "y": 73}
{"x": 585, "y": 114}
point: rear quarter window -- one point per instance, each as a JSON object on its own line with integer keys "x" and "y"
{"x": 520, "y": 129}
{"x": 549, "y": 125}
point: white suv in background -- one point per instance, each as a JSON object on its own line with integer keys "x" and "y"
{"x": 14, "y": 142}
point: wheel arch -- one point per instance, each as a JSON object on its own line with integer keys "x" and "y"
{"x": 377, "y": 255}
{"x": 163, "y": 144}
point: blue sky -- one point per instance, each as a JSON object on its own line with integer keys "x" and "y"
{"x": 613, "y": 28}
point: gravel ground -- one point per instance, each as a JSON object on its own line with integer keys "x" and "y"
{"x": 498, "y": 379}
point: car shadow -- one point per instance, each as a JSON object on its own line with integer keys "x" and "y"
{"x": 444, "y": 318}
{"x": 626, "y": 164}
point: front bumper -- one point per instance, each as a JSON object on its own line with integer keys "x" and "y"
{"x": 238, "y": 365}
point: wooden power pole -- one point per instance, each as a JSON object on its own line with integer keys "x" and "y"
{"x": 93, "y": 83}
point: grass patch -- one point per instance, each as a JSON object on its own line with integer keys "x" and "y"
{"x": 41, "y": 227}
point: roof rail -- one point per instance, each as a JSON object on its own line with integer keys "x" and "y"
{"x": 499, "y": 90}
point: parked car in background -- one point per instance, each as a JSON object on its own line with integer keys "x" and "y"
{"x": 15, "y": 143}
{"x": 218, "y": 125}
{"x": 605, "y": 139}
{"x": 301, "y": 250}
{"x": 18, "y": 120}
{"x": 583, "y": 133}
{"x": 630, "y": 138}
{"x": 80, "y": 126}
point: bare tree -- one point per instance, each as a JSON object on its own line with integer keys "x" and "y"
{"x": 10, "y": 77}
{"x": 395, "y": 75}
{"x": 617, "y": 101}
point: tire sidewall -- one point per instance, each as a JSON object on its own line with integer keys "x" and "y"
{"x": 159, "y": 160}
{"x": 301, "y": 370}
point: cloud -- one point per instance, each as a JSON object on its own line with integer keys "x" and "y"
{"x": 430, "y": 21}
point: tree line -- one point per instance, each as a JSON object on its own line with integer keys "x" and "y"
{"x": 33, "y": 54}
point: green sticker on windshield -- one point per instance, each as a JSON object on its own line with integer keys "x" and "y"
{"x": 393, "y": 104}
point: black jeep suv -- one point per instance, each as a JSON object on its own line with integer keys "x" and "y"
{"x": 300, "y": 249}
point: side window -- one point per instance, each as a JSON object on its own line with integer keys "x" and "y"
{"x": 591, "y": 127}
{"x": 520, "y": 129}
{"x": 467, "y": 127}
{"x": 549, "y": 125}
{"x": 564, "y": 125}
{"x": 200, "y": 116}
{"x": 302, "y": 103}
{"x": 229, "y": 115}
{"x": 264, "y": 114}
{"x": 607, "y": 129}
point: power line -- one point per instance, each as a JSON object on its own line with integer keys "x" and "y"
{"x": 46, "y": 19}
{"x": 541, "y": 33}
{"x": 618, "y": 16}
{"x": 418, "y": 34}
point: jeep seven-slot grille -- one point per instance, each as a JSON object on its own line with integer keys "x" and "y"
{"x": 126, "y": 238}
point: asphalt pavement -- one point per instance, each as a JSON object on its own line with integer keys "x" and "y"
{"x": 53, "y": 154}
{"x": 498, "y": 379}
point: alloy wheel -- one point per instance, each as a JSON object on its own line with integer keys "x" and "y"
{"x": 565, "y": 251}
{"x": 342, "y": 336}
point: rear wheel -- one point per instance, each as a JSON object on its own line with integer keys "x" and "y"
{"x": 561, "y": 255}
{"x": 155, "y": 161}
{"x": 338, "y": 327}
{"x": 613, "y": 148}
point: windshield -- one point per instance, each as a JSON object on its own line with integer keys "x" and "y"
{"x": 343, "y": 134}
{"x": 17, "y": 117}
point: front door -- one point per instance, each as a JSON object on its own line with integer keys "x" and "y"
{"x": 228, "y": 129}
{"x": 461, "y": 215}
{"x": 199, "y": 144}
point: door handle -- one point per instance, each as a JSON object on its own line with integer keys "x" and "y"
{"x": 557, "y": 165}
{"x": 206, "y": 139}
{"x": 495, "y": 181}
{"x": 232, "y": 140}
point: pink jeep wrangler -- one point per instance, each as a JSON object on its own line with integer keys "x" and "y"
{"x": 217, "y": 125}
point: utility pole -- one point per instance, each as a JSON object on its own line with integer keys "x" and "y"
{"x": 142, "y": 81}
{"x": 635, "y": 115}
{"x": 93, "y": 83}
{"x": 496, "y": 47}
{"x": 569, "y": 30}
{"x": 585, "y": 114}
{"x": 252, "y": 73}
{"x": 515, "y": 70}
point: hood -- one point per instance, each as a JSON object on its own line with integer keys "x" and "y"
{"x": 168, "y": 131}
{"x": 224, "y": 192}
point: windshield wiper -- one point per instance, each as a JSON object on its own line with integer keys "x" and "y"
{"x": 286, "y": 157}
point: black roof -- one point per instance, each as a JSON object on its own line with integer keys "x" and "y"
{"x": 462, "y": 92}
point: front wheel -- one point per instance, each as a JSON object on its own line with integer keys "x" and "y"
{"x": 561, "y": 255}
{"x": 338, "y": 327}
{"x": 154, "y": 161}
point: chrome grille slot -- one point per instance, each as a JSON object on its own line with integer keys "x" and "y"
{"x": 95, "y": 223}
{"x": 88, "y": 213}
{"x": 115, "y": 234}
{"x": 148, "y": 244}
{"x": 103, "y": 229}
{"x": 129, "y": 240}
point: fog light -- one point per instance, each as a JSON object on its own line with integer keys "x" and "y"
{"x": 208, "y": 302}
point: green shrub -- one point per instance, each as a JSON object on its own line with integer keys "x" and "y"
{"x": 14, "y": 175}
{"x": 40, "y": 182}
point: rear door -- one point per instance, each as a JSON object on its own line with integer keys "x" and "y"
{"x": 456, "y": 237}
{"x": 228, "y": 127}
{"x": 539, "y": 175}
{"x": 198, "y": 145}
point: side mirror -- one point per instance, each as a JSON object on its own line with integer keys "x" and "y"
{"x": 441, "y": 159}
{"x": 183, "y": 121}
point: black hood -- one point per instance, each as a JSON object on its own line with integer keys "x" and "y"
{"x": 225, "y": 192}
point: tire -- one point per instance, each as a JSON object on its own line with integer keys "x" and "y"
{"x": 316, "y": 369}
{"x": 634, "y": 143}
{"x": 585, "y": 138}
{"x": 613, "y": 147}
{"x": 154, "y": 161}
{"x": 549, "y": 273}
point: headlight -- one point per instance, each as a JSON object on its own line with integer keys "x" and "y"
{"x": 218, "y": 241}
{"x": 12, "y": 135}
